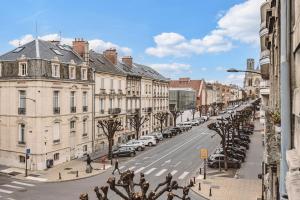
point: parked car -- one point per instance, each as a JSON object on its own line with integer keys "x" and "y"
{"x": 124, "y": 151}
{"x": 177, "y": 129}
{"x": 185, "y": 126}
{"x": 215, "y": 159}
{"x": 149, "y": 140}
{"x": 195, "y": 122}
{"x": 136, "y": 144}
{"x": 158, "y": 135}
{"x": 222, "y": 112}
{"x": 231, "y": 154}
{"x": 167, "y": 133}
{"x": 205, "y": 117}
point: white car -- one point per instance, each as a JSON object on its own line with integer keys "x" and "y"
{"x": 148, "y": 139}
{"x": 195, "y": 123}
{"x": 158, "y": 135}
{"x": 138, "y": 145}
{"x": 204, "y": 117}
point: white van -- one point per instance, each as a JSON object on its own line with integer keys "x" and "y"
{"x": 149, "y": 140}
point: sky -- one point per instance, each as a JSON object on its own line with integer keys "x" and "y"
{"x": 199, "y": 39}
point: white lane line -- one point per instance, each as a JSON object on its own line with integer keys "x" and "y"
{"x": 183, "y": 175}
{"x": 140, "y": 169}
{"x": 149, "y": 171}
{"x": 173, "y": 150}
{"x": 12, "y": 186}
{"x": 131, "y": 168}
{"x": 174, "y": 172}
{"x": 161, "y": 172}
{"x": 177, "y": 164}
{"x": 10, "y": 198}
{"x": 122, "y": 167}
{"x": 21, "y": 183}
{"x": 6, "y": 191}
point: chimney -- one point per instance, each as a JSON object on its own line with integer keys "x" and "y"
{"x": 56, "y": 42}
{"x": 112, "y": 55}
{"x": 127, "y": 60}
{"x": 82, "y": 48}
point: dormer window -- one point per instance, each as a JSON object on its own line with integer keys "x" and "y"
{"x": 72, "y": 72}
{"x": 55, "y": 70}
{"x": 0, "y": 69}
{"x": 84, "y": 74}
{"x": 22, "y": 69}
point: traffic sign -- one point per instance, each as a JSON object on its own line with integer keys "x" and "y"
{"x": 203, "y": 153}
{"x": 27, "y": 151}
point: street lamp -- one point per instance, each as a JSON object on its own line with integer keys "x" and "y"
{"x": 237, "y": 70}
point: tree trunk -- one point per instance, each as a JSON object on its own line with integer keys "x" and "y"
{"x": 137, "y": 131}
{"x": 225, "y": 153}
{"x": 194, "y": 114}
{"x": 175, "y": 118}
{"x": 110, "y": 144}
{"x": 161, "y": 126}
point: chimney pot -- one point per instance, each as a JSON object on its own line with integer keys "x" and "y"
{"x": 112, "y": 55}
{"x": 127, "y": 60}
{"x": 82, "y": 48}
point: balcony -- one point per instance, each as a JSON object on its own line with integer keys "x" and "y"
{"x": 102, "y": 92}
{"x": 73, "y": 109}
{"x": 102, "y": 111}
{"x": 56, "y": 110}
{"x": 84, "y": 108}
{"x": 264, "y": 87}
{"x": 21, "y": 142}
{"x": 21, "y": 111}
{"x": 133, "y": 111}
{"x": 148, "y": 109}
{"x": 120, "y": 92}
{"x": 114, "y": 111}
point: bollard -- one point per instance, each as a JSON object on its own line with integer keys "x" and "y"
{"x": 77, "y": 173}
{"x": 210, "y": 194}
{"x": 103, "y": 161}
{"x": 194, "y": 179}
{"x": 59, "y": 176}
{"x": 199, "y": 187}
{"x": 200, "y": 171}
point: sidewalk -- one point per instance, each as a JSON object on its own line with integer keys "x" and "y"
{"x": 244, "y": 184}
{"x": 72, "y": 170}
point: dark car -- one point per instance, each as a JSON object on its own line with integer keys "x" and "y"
{"x": 215, "y": 160}
{"x": 177, "y": 129}
{"x": 236, "y": 150}
{"x": 231, "y": 154}
{"x": 124, "y": 151}
{"x": 167, "y": 133}
{"x": 173, "y": 131}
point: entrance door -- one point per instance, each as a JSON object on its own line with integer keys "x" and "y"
{"x": 72, "y": 146}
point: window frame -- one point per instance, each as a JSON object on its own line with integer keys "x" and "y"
{"x": 56, "y": 132}
{"x": 72, "y": 75}
{"x": 21, "y": 65}
{"x": 84, "y": 75}
{"x": 55, "y": 68}
{"x": 21, "y": 133}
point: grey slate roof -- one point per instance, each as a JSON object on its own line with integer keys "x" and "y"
{"x": 102, "y": 64}
{"x": 40, "y": 49}
{"x": 148, "y": 72}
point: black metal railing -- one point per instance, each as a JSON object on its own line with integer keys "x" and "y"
{"x": 73, "y": 109}
{"x": 21, "y": 111}
{"x": 114, "y": 111}
{"x": 84, "y": 108}
{"x": 56, "y": 110}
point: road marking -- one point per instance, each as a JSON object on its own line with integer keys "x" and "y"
{"x": 122, "y": 167}
{"x": 174, "y": 172}
{"x": 131, "y": 168}
{"x": 168, "y": 161}
{"x": 21, "y": 183}
{"x": 177, "y": 164}
{"x": 10, "y": 198}
{"x": 161, "y": 172}
{"x": 149, "y": 171}
{"x": 36, "y": 179}
{"x": 173, "y": 151}
{"x": 140, "y": 169}
{"x": 200, "y": 177}
{"x": 183, "y": 175}
{"x": 12, "y": 186}
{"x": 5, "y": 191}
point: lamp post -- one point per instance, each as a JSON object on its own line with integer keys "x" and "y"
{"x": 237, "y": 70}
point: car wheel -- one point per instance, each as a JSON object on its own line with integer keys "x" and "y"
{"x": 215, "y": 165}
{"x": 131, "y": 154}
{"x": 150, "y": 144}
{"x": 139, "y": 148}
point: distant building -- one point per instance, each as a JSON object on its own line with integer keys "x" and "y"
{"x": 252, "y": 80}
{"x": 182, "y": 98}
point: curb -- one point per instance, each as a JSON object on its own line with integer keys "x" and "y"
{"x": 199, "y": 194}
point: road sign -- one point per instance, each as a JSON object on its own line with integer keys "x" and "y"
{"x": 203, "y": 153}
{"x": 27, "y": 151}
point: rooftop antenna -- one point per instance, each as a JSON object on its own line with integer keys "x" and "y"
{"x": 36, "y": 30}
{"x": 59, "y": 36}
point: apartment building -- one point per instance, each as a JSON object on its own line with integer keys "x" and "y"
{"x": 45, "y": 105}
{"x": 252, "y": 80}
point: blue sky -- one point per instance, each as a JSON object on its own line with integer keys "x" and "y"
{"x": 179, "y": 38}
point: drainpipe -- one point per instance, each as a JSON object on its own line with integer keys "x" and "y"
{"x": 93, "y": 110}
{"x": 285, "y": 92}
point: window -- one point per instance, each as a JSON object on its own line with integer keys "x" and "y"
{"x": 56, "y": 156}
{"x": 17, "y": 50}
{"x": 111, "y": 84}
{"x": 72, "y": 124}
{"x": 21, "y": 133}
{"x": 119, "y": 103}
{"x": 22, "y": 102}
{"x": 83, "y": 74}
{"x": 120, "y": 84}
{"x": 101, "y": 105}
{"x": 110, "y": 103}
{"x": 146, "y": 88}
{"x": 84, "y": 102}
{"x": 23, "y": 69}
{"x": 22, "y": 159}
{"x": 84, "y": 127}
{"x": 72, "y": 102}
{"x": 56, "y": 108}
{"x": 72, "y": 72}
{"x": 84, "y": 148}
{"x": 55, "y": 70}
{"x": 56, "y": 134}
{"x": 57, "y": 52}
{"x": 102, "y": 83}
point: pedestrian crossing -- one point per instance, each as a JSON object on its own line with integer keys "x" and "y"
{"x": 158, "y": 172}
{"x": 13, "y": 186}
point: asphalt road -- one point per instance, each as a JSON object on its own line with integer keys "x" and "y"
{"x": 179, "y": 156}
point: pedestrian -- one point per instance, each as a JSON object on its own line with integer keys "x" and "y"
{"x": 89, "y": 167}
{"x": 116, "y": 167}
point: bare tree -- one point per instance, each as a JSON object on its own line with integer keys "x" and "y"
{"x": 136, "y": 122}
{"x": 125, "y": 188}
{"x": 193, "y": 111}
{"x": 161, "y": 117}
{"x": 110, "y": 127}
{"x": 175, "y": 113}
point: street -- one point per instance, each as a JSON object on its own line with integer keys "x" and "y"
{"x": 179, "y": 156}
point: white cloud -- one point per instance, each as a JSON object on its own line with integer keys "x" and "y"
{"x": 236, "y": 79}
{"x": 203, "y": 69}
{"x": 220, "y": 68}
{"x": 171, "y": 68}
{"x": 95, "y": 44}
{"x": 239, "y": 23}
